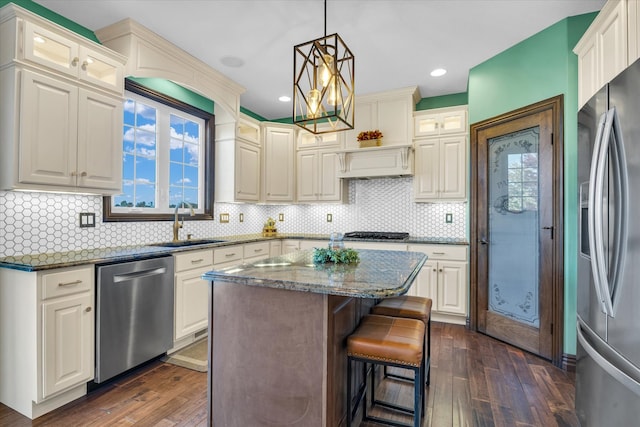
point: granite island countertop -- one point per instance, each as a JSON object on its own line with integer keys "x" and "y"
{"x": 50, "y": 260}
{"x": 378, "y": 274}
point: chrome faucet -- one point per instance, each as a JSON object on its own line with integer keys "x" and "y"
{"x": 177, "y": 225}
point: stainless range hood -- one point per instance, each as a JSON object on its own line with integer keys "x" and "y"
{"x": 374, "y": 162}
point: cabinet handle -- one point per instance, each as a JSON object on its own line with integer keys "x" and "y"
{"x": 88, "y": 309}
{"x": 195, "y": 261}
{"x": 438, "y": 253}
{"x": 75, "y": 282}
{"x": 74, "y": 61}
{"x": 257, "y": 250}
{"x": 228, "y": 255}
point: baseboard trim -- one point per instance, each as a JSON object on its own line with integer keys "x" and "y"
{"x": 569, "y": 362}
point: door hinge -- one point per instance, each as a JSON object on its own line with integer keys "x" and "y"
{"x": 550, "y": 229}
{"x": 551, "y": 331}
{"x": 551, "y": 138}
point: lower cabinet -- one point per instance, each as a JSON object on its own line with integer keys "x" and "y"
{"x": 444, "y": 279}
{"x": 46, "y": 336}
{"x": 191, "y": 312}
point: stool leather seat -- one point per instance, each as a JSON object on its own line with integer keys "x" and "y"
{"x": 409, "y": 306}
{"x": 389, "y": 339}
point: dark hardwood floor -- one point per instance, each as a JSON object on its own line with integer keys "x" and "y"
{"x": 475, "y": 381}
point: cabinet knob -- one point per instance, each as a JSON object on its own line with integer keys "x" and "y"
{"x": 440, "y": 270}
{"x": 84, "y": 65}
{"x": 88, "y": 309}
{"x": 83, "y": 174}
{"x": 74, "y": 173}
{"x": 74, "y": 61}
{"x": 435, "y": 269}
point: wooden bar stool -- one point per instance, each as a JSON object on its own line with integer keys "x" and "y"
{"x": 411, "y": 307}
{"x": 387, "y": 341}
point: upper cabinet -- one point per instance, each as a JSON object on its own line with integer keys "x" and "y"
{"x": 442, "y": 121}
{"x": 441, "y": 169}
{"x": 62, "y": 130}
{"x": 609, "y": 45}
{"x": 390, "y": 112}
{"x": 238, "y": 161}
{"x": 279, "y": 164}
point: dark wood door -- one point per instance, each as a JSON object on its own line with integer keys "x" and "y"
{"x": 514, "y": 225}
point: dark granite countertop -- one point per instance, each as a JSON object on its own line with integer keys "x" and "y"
{"x": 379, "y": 274}
{"x": 45, "y": 261}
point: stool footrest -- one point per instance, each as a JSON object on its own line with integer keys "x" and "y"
{"x": 393, "y": 406}
{"x": 387, "y": 422}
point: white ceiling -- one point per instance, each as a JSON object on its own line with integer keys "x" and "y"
{"x": 396, "y": 43}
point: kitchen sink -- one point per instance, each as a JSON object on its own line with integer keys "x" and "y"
{"x": 182, "y": 243}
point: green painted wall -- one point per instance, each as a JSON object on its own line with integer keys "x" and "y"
{"x": 443, "y": 101}
{"x": 176, "y": 91}
{"x": 538, "y": 68}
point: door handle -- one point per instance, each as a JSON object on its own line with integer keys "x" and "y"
{"x": 484, "y": 241}
{"x": 550, "y": 229}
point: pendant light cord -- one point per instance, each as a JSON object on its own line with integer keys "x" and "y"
{"x": 325, "y": 18}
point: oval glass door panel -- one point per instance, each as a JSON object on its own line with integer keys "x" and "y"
{"x": 513, "y": 226}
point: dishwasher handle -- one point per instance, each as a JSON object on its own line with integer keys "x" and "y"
{"x": 125, "y": 277}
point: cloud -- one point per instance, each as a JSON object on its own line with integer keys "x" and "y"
{"x": 183, "y": 181}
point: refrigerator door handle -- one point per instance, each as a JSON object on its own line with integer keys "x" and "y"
{"x": 611, "y": 142}
{"x": 604, "y": 363}
{"x": 591, "y": 220}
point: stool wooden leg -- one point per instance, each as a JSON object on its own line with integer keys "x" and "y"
{"x": 428, "y": 356}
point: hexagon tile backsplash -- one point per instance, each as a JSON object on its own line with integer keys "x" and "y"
{"x": 46, "y": 222}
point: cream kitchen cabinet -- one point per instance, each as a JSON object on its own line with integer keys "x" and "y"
{"x": 604, "y": 49}
{"x": 317, "y": 177}
{"x": 275, "y": 248}
{"x": 46, "y": 336}
{"x": 255, "y": 251}
{"x": 289, "y": 246}
{"x": 390, "y": 112}
{"x": 238, "y": 152}
{"x": 63, "y": 131}
{"x": 440, "y": 169}
{"x": 191, "y": 313}
{"x": 307, "y": 140}
{"x": 444, "y": 279}
{"x": 438, "y": 122}
{"x": 279, "y": 164}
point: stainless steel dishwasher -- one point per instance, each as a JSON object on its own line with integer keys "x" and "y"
{"x": 134, "y": 314}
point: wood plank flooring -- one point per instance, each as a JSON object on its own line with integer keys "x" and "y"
{"x": 475, "y": 381}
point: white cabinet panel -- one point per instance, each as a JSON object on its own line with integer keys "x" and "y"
{"x": 192, "y": 308}
{"x": 67, "y": 353}
{"x": 247, "y": 172}
{"x": 279, "y": 167}
{"x": 441, "y": 169}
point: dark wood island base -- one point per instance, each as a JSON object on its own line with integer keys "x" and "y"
{"x": 277, "y": 350}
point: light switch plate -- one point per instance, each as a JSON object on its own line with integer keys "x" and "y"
{"x": 87, "y": 219}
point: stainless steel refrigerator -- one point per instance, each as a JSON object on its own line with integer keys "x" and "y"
{"x": 608, "y": 352}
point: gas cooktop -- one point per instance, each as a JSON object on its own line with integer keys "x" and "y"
{"x": 376, "y": 235}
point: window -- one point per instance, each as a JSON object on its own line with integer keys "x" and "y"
{"x": 167, "y": 159}
{"x": 523, "y": 182}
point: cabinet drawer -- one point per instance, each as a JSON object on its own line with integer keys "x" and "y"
{"x": 66, "y": 282}
{"x": 255, "y": 250}
{"x": 227, "y": 254}
{"x": 195, "y": 259}
{"x": 444, "y": 252}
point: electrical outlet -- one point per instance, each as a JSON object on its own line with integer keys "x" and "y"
{"x": 329, "y": 217}
{"x": 87, "y": 219}
{"x": 281, "y": 217}
{"x": 224, "y": 218}
{"x": 241, "y": 219}
{"x": 448, "y": 218}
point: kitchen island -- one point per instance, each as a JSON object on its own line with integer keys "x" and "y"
{"x": 277, "y": 334}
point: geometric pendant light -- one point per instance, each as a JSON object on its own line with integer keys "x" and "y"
{"x": 323, "y": 84}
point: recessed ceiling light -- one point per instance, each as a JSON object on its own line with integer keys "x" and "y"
{"x": 438, "y": 72}
{"x": 284, "y": 98}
